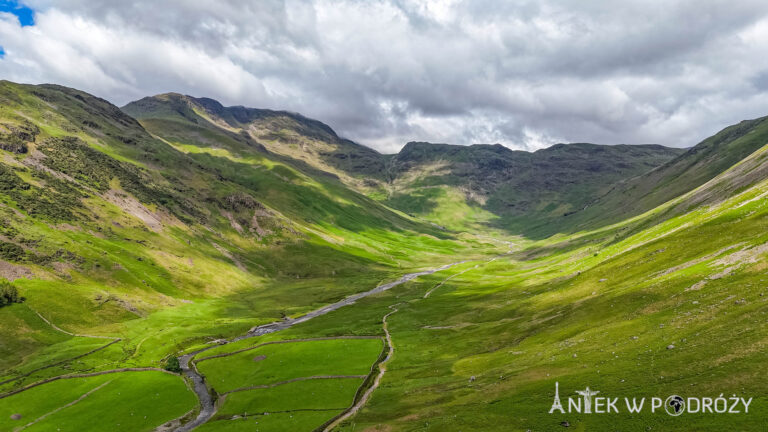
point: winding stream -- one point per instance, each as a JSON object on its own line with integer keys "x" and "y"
{"x": 208, "y": 408}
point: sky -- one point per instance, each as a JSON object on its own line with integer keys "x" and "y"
{"x": 525, "y": 74}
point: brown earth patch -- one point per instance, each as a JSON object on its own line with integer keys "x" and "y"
{"x": 67, "y": 227}
{"x": 232, "y": 222}
{"x": 12, "y": 271}
{"x": 696, "y": 261}
{"x": 229, "y": 255}
{"x": 153, "y": 220}
{"x": 733, "y": 262}
{"x": 62, "y": 267}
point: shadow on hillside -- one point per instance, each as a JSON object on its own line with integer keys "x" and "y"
{"x": 331, "y": 204}
{"x": 301, "y": 277}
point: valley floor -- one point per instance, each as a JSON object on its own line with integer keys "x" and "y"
{"x": 677, "y": 308}
{"x": 189, "y": 279}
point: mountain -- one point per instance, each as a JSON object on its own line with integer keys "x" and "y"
{"x": 682, "y": 174}
{"x": 177, "y": 264}
{"x": 518, "y": 190}
{"x": 509, "y": 190}
{"x": 105, "y": 227}
{"x": 195, "y": 120}
{"x": 671, "y": 301}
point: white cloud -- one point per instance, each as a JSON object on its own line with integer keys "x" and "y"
{"x": 525, "y": 74}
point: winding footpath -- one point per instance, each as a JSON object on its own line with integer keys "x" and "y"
{"x": 382, "y": 369}
{"x": 391, "y": 349}
{"x": 189, "y": 369}
{"x": 113, "y": 340}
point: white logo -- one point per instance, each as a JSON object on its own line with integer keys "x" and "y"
{"x": 674, "y": 405}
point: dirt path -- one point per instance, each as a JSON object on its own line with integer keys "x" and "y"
{"x": 58, "y": 329}
{"x": 383, "y": 364}
{"x": 189, "y": 369}
{"x": 382, "y": 369}
{"x": 427, "y": 294}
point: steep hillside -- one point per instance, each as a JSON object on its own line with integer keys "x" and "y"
{"x": 565, "y": 188}
{"x": 109, "y": 231}
{"x": 514, "y": 190}
{"x": 222, "y": 269}
{"x": 686, "y": 172}
{"x": 675, "y": 308}
{"x": 491, "y": 186}
{"x": 196, "y": 120}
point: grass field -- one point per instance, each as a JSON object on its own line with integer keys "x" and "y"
{"x": 277, "y": 362}
{"x": 320, "y": 394}
{"x": 298, "y": 406}
{"x": 304, "y": 383}
{"x": 279, "y": 422}
{"x": 598, "y": 316}
{"x": 126, "y": 401}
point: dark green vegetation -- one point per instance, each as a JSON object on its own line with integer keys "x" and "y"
{"x": 172, "y": 364}
{"x": 9, "y": 294}
{"x": 139, "y": 238}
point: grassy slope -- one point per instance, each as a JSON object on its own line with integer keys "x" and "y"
{"x": 287, "y": 361}
{"x": 128, "y": 401}
{"x": 283, "y": 133}
{"x": 126, "y": 236}
{"x": 596, "y": 308}
{"x": 686, "y": 172}
{"x": 514, "y": 191}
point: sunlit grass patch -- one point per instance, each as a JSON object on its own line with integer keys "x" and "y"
{"x": 273, "y": 363}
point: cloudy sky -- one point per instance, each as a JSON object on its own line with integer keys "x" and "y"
{"x": 525, "y": 74}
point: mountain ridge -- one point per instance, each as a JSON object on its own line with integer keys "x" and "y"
{"x": 531, "y": 185}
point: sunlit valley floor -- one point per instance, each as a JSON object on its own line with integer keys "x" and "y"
{"x": 174, "y": 226}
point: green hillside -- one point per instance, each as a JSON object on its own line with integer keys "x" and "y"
{"x": 689, "y": 170}
{"x": 205, "y": 122}
{"x": 491, "y": 186}
{"x": 675, "y": 308}
{"x": 516, "y": 191}
{"x": 180, "y": 265}
{"x": 111, "y": 232}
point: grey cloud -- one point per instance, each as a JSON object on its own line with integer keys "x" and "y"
{"x": 525, "y": 73}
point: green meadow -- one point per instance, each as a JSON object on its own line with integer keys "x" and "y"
{"x": 135, "y": 242}
{"x": 296, "y": 421}
{"x": 277, "y": 362}
{"x": 302, "y": 405}
{"x": 334, "y": 394}
{"x": 126, "y": 401}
